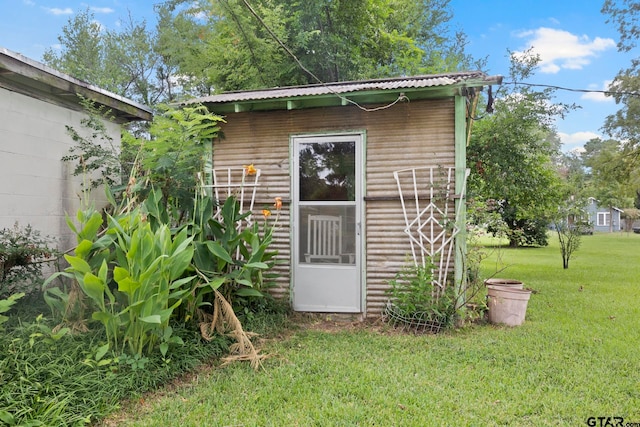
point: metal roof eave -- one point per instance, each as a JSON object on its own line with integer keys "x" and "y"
{"x": 31, "y": 78}
{"x": 342, "y": 99}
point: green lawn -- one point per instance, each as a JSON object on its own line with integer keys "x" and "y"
{"x": 576, "y": 356}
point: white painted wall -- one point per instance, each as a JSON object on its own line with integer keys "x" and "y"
{"x": 36, "y": 187}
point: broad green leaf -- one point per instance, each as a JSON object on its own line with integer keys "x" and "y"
{"x": 179, "y": 262}
{"x": 102, "y": 316}
{"x": 202, "y": 258}
{"x": 93, "y": 287}
{"x": 216, "y": 282}
{"x": 71, "y": 225}
{"x": 181, "y": 241}
{"x": 128, "y": 285}
{"x": 245, "y": 282}
{"x": 55, "y": 276}
{"x": 249, "y": 292}
{"x": 5, "y": 304}
{"x": 153, "y": 271}
{"x": 102, "y": 350}
{"x": 91, "y": 227}
{"x": 120, "y": 273}
{"x": 78, "y": 264}
{"x": 83, "y": 248}
{"x": 176, "y": 340}
{"x": 260, "y": 265}
{"x": 7, "y": 418}
{"x": 217, "y": 250}
{"x": 164, "y": 347}
{"x": 153, "y": 319}
{"x": 102, "y": 273}
{"x": 178, "y": 283}
{"x": 166, "y": 334}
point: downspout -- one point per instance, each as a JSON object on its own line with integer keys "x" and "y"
{"x": 460, "y": 156}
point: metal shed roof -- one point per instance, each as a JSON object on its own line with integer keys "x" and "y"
{"x": 343, "y": 93}
{"x": 23, "y": 75}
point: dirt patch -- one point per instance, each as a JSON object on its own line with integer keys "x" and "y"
{"x": 332, "y": 323}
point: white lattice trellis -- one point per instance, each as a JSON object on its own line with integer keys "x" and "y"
{"x": 428, "y": 200}
{"x": 239, "y": 182}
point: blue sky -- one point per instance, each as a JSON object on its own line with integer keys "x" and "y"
{"x": 575, "y": 43}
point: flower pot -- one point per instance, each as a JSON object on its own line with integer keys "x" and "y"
{"x": 508, "y": 283}
{"x": 507, "y": 306}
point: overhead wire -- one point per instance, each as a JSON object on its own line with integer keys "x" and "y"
{"x": 605, "y": 92}
{"x": 244, "y": 35}
{"x": 401, "y": 96}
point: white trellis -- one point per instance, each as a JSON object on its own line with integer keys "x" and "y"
{"x": 239, "y": 182}
{"x": 428, "y": 201}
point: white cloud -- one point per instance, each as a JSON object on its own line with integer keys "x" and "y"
{"x": 577, "y": 150}
{"x": 577, "y": 138}
{"x": 559, "y": 49}
{"x": 102, "y": 9}
{"x": 58, "y": 11}
{"x": 598, "y": 96}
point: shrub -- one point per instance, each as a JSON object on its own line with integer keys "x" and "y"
{"x": 23, "y": 252}
{"x": 413, "y": 293}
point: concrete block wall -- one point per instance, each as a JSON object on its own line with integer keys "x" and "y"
{"x": 36, "y": 186}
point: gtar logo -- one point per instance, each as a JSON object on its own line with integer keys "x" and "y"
{"x": 605, "y": 421}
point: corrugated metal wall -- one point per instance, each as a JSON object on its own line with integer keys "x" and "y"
{"x": 413, "y": 134}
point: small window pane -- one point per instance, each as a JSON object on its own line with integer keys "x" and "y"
{"x": 327, "y": 234}
{"x": 327, "y": 171}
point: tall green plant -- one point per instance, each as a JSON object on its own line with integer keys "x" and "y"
{"x": 149, "y": 275}
{"x": 232, "y": 257}
{"x": 147, "y": 266}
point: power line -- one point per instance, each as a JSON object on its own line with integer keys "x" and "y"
{"x": 605, "y": 92}
{"x": 401, "y": 97}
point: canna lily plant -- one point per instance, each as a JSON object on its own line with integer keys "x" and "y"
{"x": 148, "y": 268}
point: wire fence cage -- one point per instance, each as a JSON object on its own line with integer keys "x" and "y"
{"x": 422, "y": 322}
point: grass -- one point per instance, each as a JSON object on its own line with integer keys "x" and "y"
{"x": 48, "y": 379}
{"x": 576, "y": 356}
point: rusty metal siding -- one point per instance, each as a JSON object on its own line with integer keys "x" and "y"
{"x": 419, "y": 133}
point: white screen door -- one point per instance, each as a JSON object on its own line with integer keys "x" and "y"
{"x": 326, "y": 251}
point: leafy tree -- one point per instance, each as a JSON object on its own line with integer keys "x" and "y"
{"x": 230, "y": 44}
{"x": 511, "y": 154}
{"x": 609, "y": 181}
{"x": 200, "y": 47}
{"x": 123, "y": 62}
{"x": 630, "y": 216}
{"x": 82, "y": 53}
{"x": 570, "y": 226}
{"x": 571, "y": 219}
{"x": 624, "y": 125}
{"x": 573, "y": 172}
{"x": 176, "y": 153}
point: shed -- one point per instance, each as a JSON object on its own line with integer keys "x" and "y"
{"x": 330, "y": 152}
{"x": 603, "y": 218}
{"x": 36, "y": 103}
